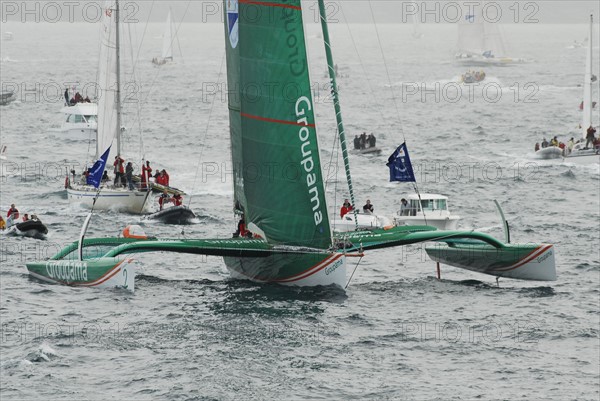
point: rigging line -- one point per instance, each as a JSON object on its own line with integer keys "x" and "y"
{"x": 387, "y": 70}
{"x": 137, "y": 56}
{"x": 212, "y": 106}
{"x": 353, "y": 271}
{"x": 366, "y": 75}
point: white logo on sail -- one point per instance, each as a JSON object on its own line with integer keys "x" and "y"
{"x": 232, "y": 22}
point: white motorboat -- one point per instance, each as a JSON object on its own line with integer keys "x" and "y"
{"x": 432, "y": 210}
{"x": 6, "y": 97}
{"x": 80, "y": 121}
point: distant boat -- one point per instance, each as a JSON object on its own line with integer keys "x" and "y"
{"x": 481, "y": 43}
{"x": 6, "y": 97}
{"x": 416, "y": 32}
{"x": 167, "y": 47}
{"x": 472, "y": 77}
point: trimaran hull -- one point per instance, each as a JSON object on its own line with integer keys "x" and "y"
{"x": 258, "y": 261}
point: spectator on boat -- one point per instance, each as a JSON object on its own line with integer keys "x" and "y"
{"x": 35, "y": 218}
{"x": 357, "y": 142}
{"x": 372, "y": 141}
{"x": 162, "y": 199}
{"x": 177, "y": 199}
{"x": 119, "y": 170}
{"x": 570, "y": 145}
{"x": 166, "y": 177}
{"x": 346, "y": 208}
{"x": 87, "y": 99}
{"x": 241, "y": 229}
{"x": 554, "y": 141}
{"x": 67, "y": 102}
{"x": 590, "y": 136}
{"x": 2, "y": 223}
{"x": 13, "y": 211}
{"x": 368, "y": 207}
{"x": 537, "y": 146}
{"x": 146, "y": 174}
{"x": 544, "y": 143}
{"x": 25, "y": 217}
{"x": 78, "y": 98}
{"x": 105, "y": 177}
{"x": 363, "y": 140}
{"x": 404, "y": 208}
{"x": 129, "y": 176}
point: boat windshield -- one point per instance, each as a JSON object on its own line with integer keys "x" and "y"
{"x": 91, "y": 119}
{"x": 433, "y": 204}
{"x": 75, "y": 118}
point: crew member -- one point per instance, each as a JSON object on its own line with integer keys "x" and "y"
{"x": 119, "y": 169}
{"x": 346, "y": 208}
{"x": 162, "y": 199}
{"x": 177, "y": 199}
{"x": 368, "y": 207}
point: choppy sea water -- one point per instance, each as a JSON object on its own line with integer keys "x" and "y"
{"x": 190, "y": 332}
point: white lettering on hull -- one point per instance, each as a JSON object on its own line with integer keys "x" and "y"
{"x": 67, "y": 270}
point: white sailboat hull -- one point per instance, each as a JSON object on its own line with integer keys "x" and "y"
{"x": 118, "y": 199}
{"x": 79, "y": 132}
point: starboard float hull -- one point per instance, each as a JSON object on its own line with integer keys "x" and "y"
{"x": 524, "y": 262}
{"x": 109, "y": 199}
{"x": 98, "y": 273}
{"x": 303, "y": 269}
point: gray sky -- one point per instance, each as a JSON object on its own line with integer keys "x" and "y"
{"x": 357, "y": 11}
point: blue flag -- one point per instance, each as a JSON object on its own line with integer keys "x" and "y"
{"x": 97, "y": 170}
{"x": 400, "y": 166}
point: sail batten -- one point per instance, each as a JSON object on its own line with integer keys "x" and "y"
{"x": 278, "y": 182}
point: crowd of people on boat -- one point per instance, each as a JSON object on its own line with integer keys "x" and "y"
{"x": 347, "y": 207}
{"x": 591, "y": 142}
{"x": 473, "y": 76}
{"x": 164, "y": 198}
{"x": 12, "y": 218}
{"x": 77, "y": 98}
{"x": 364, "y": 141}
{"x": 124, "y": 176}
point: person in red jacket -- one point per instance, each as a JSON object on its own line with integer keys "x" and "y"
{"x": 13, "y": 211}
{"x": 146, "y": 174}
{"x": 165, "y": 177}
{"x": 241, "y": 229}
{"x": 119, "y": 169}
{"x": 162, "y": 199}
{"x": 177, "y": 200}
{"x": 346, "y": 208}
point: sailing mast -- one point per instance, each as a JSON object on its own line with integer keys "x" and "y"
{"x": 118, "y": 70}
{"x": 336, "y": 105}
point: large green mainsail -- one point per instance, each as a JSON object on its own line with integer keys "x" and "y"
{"x": 277, "y": 169}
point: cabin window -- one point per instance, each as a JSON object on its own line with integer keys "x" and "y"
{"x": 414, "y": 207}
{"x": 428, "y": 204}
{"x": 90, "y": 119}
{"x": 75, "y": 118}
{"x": 441, "y": 204}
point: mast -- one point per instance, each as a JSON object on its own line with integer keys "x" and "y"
{"x": 118, "y": 70}
{"x": 336, "y": 104}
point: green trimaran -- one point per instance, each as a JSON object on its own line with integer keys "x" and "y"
{"x": 266, "y": 49}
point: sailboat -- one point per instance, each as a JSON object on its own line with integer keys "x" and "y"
{"x": 416, "y": 31}
{"x": 108, "y": 134}
{"x": 581, "y": 152}
{"x": 167, "y": 47}
{"x": 292, "y": 241}
{"x": 480, "y": 42}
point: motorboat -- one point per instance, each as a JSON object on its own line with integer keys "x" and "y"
{"x": 426, "y": 209}
{"x": 80, "y": 121}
